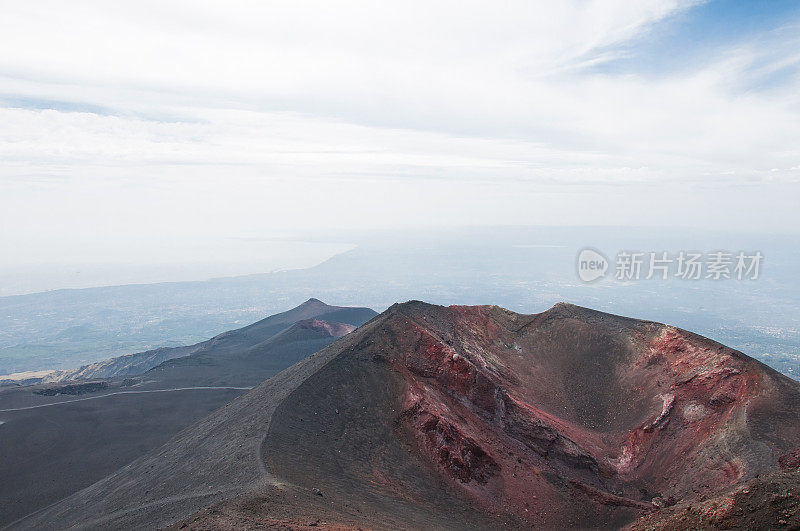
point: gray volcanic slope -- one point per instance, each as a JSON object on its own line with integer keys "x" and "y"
{"x": 251, "y": 365}
{"x": 217, "y": 458}
{"x": 222, "y": 344}
{"x": 52, "y": 451}
{"x": 472, "y": 417}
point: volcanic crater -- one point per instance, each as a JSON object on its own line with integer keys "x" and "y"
{"x": 478, "y": 417}
{"x": 570, "y": 416}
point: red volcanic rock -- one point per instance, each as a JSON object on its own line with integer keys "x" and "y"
{"x": 570, "y": 417}
{"x": 790, "y": 460}
{"x": 326, "y": 327}
{"x": 454, "y": 452}
{"x": 477, "y": 417}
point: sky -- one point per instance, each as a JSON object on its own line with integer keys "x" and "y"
{"x": 165, "y": 133}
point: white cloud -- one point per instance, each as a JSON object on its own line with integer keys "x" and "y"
{"x": 232, "y": 116}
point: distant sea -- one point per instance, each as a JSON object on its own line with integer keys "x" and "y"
{"x": 188, "y": 262}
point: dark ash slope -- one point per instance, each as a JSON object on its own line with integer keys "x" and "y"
{"x": 52, "y": 451}
{"x": 469, "y": 417}
{"x": 225, "y": 343}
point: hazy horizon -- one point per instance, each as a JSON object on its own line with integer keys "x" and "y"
{"x": 197, "y": 123}
{"x": 232, "y": 257}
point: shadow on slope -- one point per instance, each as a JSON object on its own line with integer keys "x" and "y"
{"x": 52, "y": 450}
{"x": 467, "y": 417}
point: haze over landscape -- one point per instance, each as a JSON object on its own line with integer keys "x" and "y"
{"x": 418, "y": 265}
{"x": 195, "y": 123}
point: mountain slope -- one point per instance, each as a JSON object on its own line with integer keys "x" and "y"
{"x": 252, "y": 364}
{"x": 54, "y": 446}
{"x": 226, "y": 342}
{"x": 468, "y": 417}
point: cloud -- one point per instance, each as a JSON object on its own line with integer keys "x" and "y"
{"x": 425, "y": 109}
